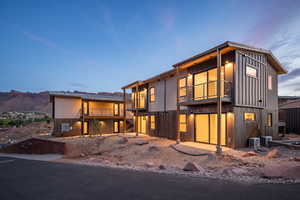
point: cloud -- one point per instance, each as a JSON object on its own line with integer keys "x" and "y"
{"x": 41, "y": 40}
{"x": 295, "y": 73}
{"x": 78, "y": 85}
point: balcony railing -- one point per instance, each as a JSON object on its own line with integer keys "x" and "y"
{"x": 103, "y": 112}
{"x": 206, "y": 90}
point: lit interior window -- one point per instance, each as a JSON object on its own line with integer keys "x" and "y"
{"x": 249, "y": 116}
{"x": 152, "y": 122}
{"x": 182, "y": 122}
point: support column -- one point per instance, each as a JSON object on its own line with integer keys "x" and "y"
{"x": 219, "y": 102}
{"x": 136, "y": 102}
{"x": 178, "y": 107}
{"x": 124, "y": 110}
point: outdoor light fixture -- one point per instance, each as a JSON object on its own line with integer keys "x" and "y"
{"x": 228, "y": 64}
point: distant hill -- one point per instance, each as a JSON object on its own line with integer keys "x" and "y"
{"x": 27, "y": 101}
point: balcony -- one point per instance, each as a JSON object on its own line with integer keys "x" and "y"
{"x": 205, "y": 93}
{"x": 103, "y": 113}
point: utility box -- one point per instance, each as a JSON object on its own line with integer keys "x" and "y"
{"x": 265, "y": 140}
{"x": 254, "y": 142}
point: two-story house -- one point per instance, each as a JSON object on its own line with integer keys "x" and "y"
{"x": 87, "y": 114}
{"x": 182, "y": 102}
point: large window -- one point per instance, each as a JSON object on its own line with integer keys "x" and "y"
{"x": 152, "y": 94}
{"x": 85, "y": 127}
{"x": 85, "y": 108}
{"x": 182, "y": 87}
{"x": 270, "y": 86}
{"x": 116, "y": 109}
{"x": 142, "y": 98}
{"x": 116, "y": 127}
{"x": 270, "y": 120}
{"x": 205, "y": 84}
{"x": 152, "y": 122}
{"x": 182, "y": 122}
{"x": 249, "y": 116}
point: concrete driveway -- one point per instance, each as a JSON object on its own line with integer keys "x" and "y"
{"x": 29, "y": 179}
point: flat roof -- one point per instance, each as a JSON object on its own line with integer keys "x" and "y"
{"x": 88, "y": 96}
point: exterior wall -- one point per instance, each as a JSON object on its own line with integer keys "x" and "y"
{"x": 250, "y": 91}
{"x": 74, "y": 123}
{"x": 67, "y": 108}
{"x": 159, "y": 103}
{"x": 171, "y": 94}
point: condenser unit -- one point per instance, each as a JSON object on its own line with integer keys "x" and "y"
{"x": 254, "y": 142}
{"x": 265, "y": 140}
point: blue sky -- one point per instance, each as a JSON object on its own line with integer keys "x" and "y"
{"x": 100, "y": 46}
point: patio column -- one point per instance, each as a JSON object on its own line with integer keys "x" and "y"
{"x": 124, "y": 110}
{"x": 219, "y": 102}
{"x": 136, "y": 105}
{"x": 178, "y": 107}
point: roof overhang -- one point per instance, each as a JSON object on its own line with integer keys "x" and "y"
{"x": 227, "y": 47}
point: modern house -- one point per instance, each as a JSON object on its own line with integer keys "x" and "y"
{"x": 87, "y": 114}
{"x": 181, "y": 104}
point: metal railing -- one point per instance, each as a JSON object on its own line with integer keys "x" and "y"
{"x": 206, "y": 90}
{"x": 103, "y": 112}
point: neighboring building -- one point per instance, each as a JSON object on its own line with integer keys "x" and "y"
{"x": 290, "y": 114}
{"x": 286, "y": 99}
{"x": 182, "y": 102}
{"x": 86, "y": 114}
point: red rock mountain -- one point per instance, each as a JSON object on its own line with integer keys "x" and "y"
{"x": 27, "y": 101}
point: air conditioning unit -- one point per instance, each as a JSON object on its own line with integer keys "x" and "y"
{"x": 65, "y": 127}
{"x": 254, "y": 142}
{"x": 265, "y": 140}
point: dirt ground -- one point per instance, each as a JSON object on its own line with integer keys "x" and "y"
{"x": 35, "y": 129}
{"x": 156, "y": 154}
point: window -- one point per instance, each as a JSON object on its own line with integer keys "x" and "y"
{"x": 249, "y": 116}
{"x": 270, "y": 83}
{"x": 85, "y": 108}
{"x": 182, "y": 87}
{"x": 116, "y": 109}
{"x": 152, "y": 122}
{"x": 85, "y": 128}
{"x": 270, "y": 120}
{"x": 250, "y": 71}
{"x": 182, "y": 122}
{"x": 116, "y": 127}
{"x": 152, "y": 94}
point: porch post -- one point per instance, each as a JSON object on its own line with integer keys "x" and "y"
{"x": 124, "y": 110}
{"x": 219, "y": 102}
{"x": 136, "y": 105}
{"x": 178, "y": 107}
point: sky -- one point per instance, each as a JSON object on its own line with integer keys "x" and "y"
{"x": 98, "y": 46}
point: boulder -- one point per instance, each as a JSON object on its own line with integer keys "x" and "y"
{"x": 161, "y": 167}
{"x": 192, "y": 167}
{"x": 153, "y": 149}
{"x": 123, "y": 140}
{"x": 141, "y": 142}
{"x": 262, "y": 149}
{"x": 149, "y": 164}
{"x": 281, "y": 171}
{"x": 275, "y": 153}
{"x": 249, "y": 154}
{"x": 234, "y": 171}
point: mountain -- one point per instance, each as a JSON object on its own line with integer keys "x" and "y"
{"x": 27, "y": 101}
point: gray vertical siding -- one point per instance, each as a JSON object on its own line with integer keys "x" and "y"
{"x": 248, "y": 90}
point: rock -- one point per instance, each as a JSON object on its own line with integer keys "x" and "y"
{"x": 234, "y": 171}
{"x": 192, "y": 167}
{"x": 123, "y": 140}
{"x": 262, "y": 149}
{"x": 82, "y": 155}
{"x": 149, "y": 164}
{"x": 249, "y": 154}
{"x": 161, "y": 167}
{"x": 281, "y": 171}
{"x": 153, "y": 149}
{"x": 275, "y": 153}
{"x": 297, "y": 159}
{"x": 141, "y": 142}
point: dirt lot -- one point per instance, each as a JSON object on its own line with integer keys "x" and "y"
{"x": 35, "y": 129}
{"x": 274, "y": 165}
